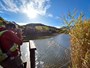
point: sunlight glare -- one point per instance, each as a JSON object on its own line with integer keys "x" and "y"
{"x": 31, "y": 12}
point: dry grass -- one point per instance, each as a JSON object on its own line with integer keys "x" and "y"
{"x": 80, "y": 44}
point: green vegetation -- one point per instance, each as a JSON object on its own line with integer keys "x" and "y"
{"x": 42, "y": 28}
{"x": 46, "y": 28}
{"x": 39, "y": 28}
{"x": 1, "y": 19}
{"x": 63, "y": 30}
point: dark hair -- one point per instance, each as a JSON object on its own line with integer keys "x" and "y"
{"x": 10, "y": 26}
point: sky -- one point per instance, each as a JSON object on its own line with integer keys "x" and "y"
{"x": 48, "y": 12}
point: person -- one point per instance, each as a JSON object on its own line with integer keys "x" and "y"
{"x": 14, "y": 28}
{"x": 9, "y": 43}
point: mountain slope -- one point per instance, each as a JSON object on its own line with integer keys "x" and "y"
{"x": 33, "y": 31}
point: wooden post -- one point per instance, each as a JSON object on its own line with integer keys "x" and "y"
{"x": 25, "y": 64}
{"x": 32, "y": 53}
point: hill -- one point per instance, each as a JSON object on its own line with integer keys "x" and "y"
{"x": 34, "y": 31}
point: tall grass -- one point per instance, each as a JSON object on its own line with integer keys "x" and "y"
{"x": 80, "y": 41}
{"x": 80, "y": 44}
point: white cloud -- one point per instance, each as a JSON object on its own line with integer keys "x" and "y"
{"x": 50, "y": 15}
{"x": 32, "y": 8}
{"x": 57, "y": 17}
{"x": 22, "y": 23}
{"x": 58, "y": 26}
{"x": 8, "y": 5}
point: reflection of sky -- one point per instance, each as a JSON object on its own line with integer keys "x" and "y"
{"x": 53, "y": 50}
{"x": 25, "y": 51}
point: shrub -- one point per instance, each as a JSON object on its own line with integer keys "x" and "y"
{"x": 80, "y": 44}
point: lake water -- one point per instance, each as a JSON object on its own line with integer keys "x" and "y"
{"x": 53, "y": 51}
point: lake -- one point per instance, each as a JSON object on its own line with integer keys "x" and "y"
{"x": 53, "y": 52}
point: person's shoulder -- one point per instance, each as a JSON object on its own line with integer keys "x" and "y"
{"x": 9, "y": 31}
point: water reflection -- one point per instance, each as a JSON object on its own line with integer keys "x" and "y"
{"x": 53, "y": 52}
{"x": 25, "y": 51}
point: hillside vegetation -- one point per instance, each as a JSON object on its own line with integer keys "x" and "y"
{"x": 37, "y": 31}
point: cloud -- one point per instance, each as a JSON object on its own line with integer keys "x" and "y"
{"x": 58, "y": 17}
{"x": 50, "y": 15}
{"x": 20, "y": 23}
{"x": 8, "y": 5}
{"x": 58, "y": 26}
{"x": 31, "y": 8}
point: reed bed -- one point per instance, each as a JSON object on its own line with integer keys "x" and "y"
{"x": 80, "y": 44}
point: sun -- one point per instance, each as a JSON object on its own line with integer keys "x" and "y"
{"x": 32, "y": 13}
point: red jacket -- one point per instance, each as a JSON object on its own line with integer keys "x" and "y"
{"x": 8, "y": 39}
